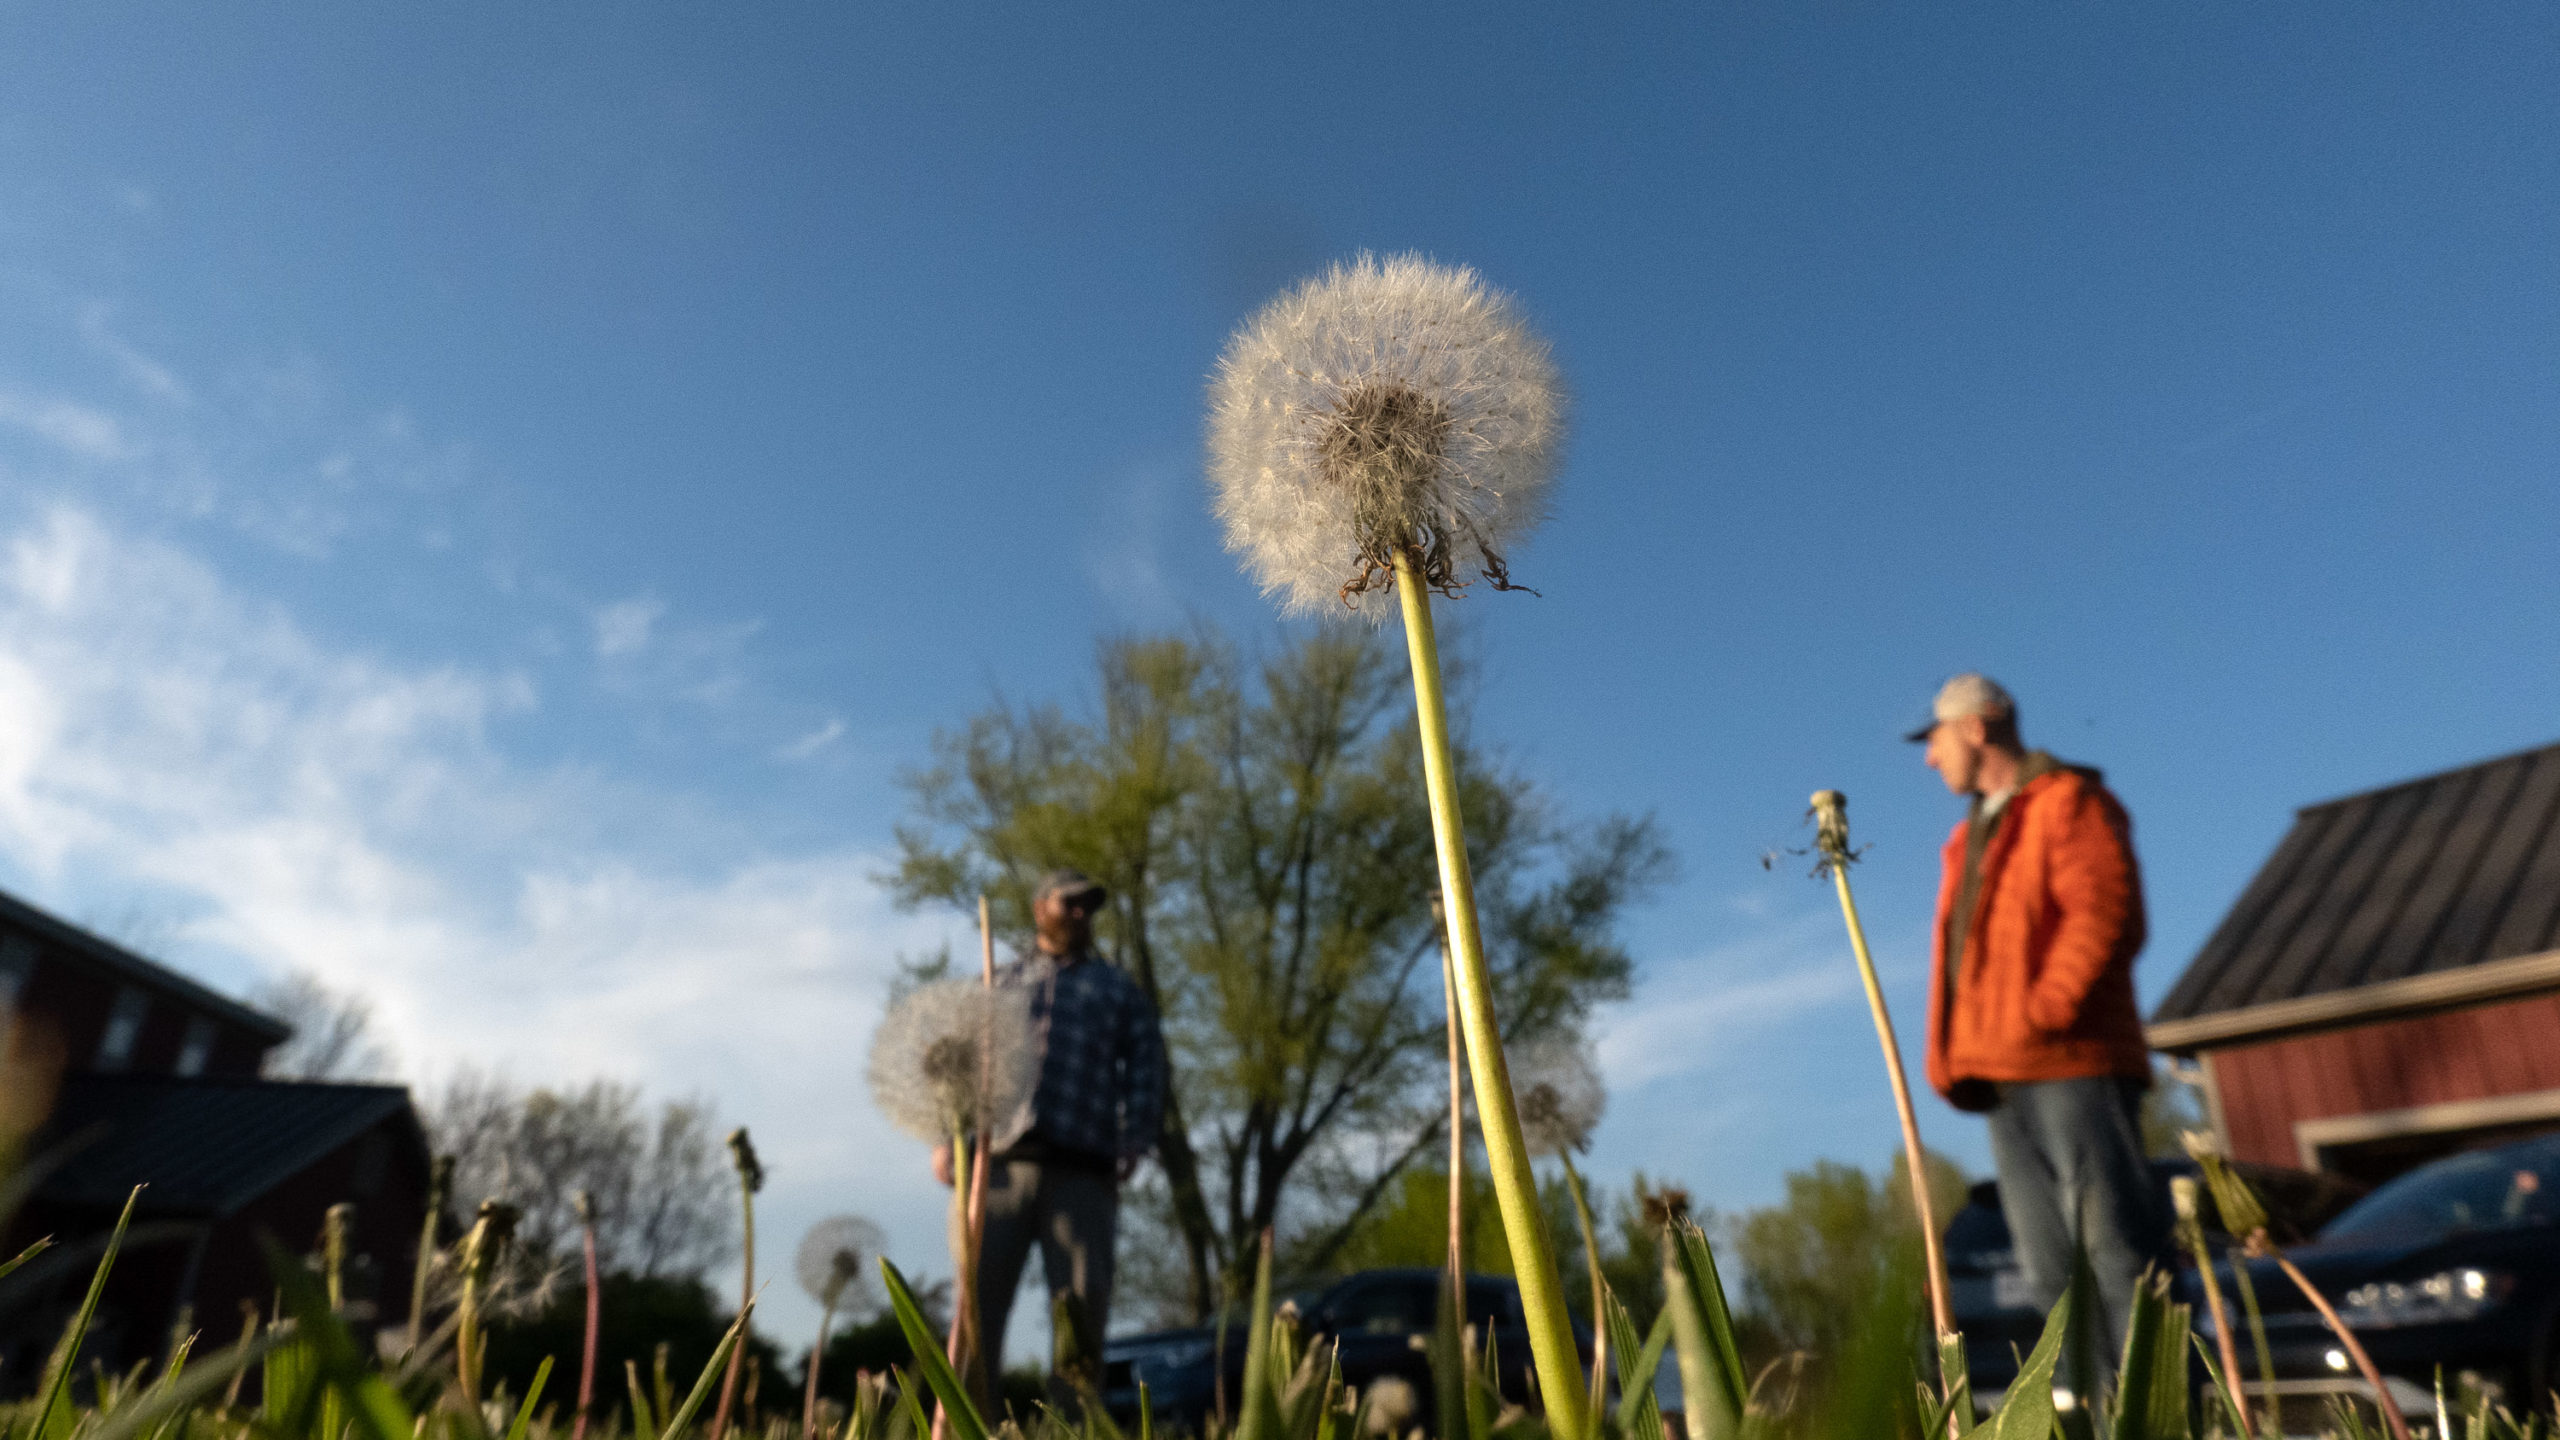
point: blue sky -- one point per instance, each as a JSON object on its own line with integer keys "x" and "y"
{"x": 490, "y": 497}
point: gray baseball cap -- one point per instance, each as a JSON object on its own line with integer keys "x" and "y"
{"x": 1966, "y": 694}
{"x": 1067, "y": 884}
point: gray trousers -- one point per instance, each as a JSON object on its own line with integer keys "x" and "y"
{"x": 2073, "y": 1181}
{"x": 1073, "y": 1214}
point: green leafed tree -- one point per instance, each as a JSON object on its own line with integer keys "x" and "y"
{"x": 1261, "y": 826}
{"x": 1834, "y": 1250}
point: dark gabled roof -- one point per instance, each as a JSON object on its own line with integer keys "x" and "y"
{"x": 2414, "y": 880}
{"x": 204, "y": 1146}
{"x": 117, "y": 960}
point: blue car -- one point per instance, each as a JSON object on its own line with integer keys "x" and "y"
{"x": 1988, "y": 1292}
{"x": 1381, "y": 1319}
{"x": 2455, "y": 1264}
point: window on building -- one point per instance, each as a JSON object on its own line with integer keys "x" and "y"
{"x": 17, "y": 963}
{"x": 196, "y": 1050}
{"x": 16, "y": 967}
{"x": 124, "y": 1028}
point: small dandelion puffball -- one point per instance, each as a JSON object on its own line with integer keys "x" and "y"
{"x": 1561, "y": 1096}
{"x": 836, "y": 1261}
{"x": 1388, "y": 404}
{"x": 952, "y": 1056}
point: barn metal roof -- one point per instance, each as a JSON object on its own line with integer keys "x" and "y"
{"x": 2388, "y": 893}
{"x": 203, "y": 1146}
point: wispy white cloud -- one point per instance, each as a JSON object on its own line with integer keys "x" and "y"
{"x": 1124, "y": 543}
{"x": 1697, "y": 1012}
{"x": 305, "y": 805}
{"x": 80, "y": 431}
{"x": 622, "y": 628}
{"x": 813, "y": 742}
{"x": 143, "y": 372}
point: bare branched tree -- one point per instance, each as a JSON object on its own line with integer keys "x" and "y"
{"x": 333, "y": 1035}
{"x": 660, "y": 1181}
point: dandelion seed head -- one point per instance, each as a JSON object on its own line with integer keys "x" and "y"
{"x": 952, "y": 1056}
{"x": 1560, "y": 1096}
{"x": 1388, "y": 403}
{"x": 835, "y": 1262}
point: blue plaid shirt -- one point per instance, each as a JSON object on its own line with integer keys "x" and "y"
{"x": 1101, "y": 1087}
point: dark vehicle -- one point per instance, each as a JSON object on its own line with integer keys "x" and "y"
{"x": 2454, "y": 1264}
{"x": 1382, "y": 1320}
{"x": 1988, "y": 1292}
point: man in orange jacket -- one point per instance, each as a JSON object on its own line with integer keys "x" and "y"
{"x": 2031, "y": 1011}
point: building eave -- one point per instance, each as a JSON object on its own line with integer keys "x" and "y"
{"x": 2491, "y": 980}
{"x": 120, "y": 961}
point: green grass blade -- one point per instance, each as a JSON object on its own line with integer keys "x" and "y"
{"x": 2151, "y": 1389}
{"x": 1329, "y": 1408}
{"x": 911, "y": 1404}
{"x": 2026, "y": 1412}
{"x": 2215, "y": 1382}
{"x": 337, "y": 1361}
{"x": 965, "y": 1421}
{"x": 23, "y": 1256}
{"x": 1302, "y": 1416}
{"x": 177, "y": 1398}
{"x": 1449, "y": 1363}
{"x": 532, "y": 1396}
{"x": 67, "y": 1352}
{"x": 661, "y": 1387}
{"x": 644, "y": 1420}
{"x": 1712, "y": 1384}
{"x": 711, "y": 1369}
{"x": 1484, "y": 1389}
{"x": 1957, "y": 1381}
{"x": 1259, "y": 1411}
{"x": 1639, "y": 1416}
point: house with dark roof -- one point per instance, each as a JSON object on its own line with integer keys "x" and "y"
{"x": 158, "y": 1085}
{"x": 2387, "y": 989}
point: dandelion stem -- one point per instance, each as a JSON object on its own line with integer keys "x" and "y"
{"x": 750, "y": 1180}
{"x": 1515, "y": 1186}
{"x": 959, "y": 1347}
{"x": 2182, "y": 1189}
{"x": 979, "y": 1369}
{"x": 817, "y": 1354}
{"x": 2382, "y": 1400}
{"x": 1941, "y": 1315}
{"x": 2257, "y": 1338}
{"x": 1457, "y": 1111}
{"x": 595, "y": 1316}
{"x": 439, "y": 1188}
{"x": 1599, "y": 1286}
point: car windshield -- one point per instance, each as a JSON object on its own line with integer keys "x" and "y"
{"x": 1385, "y": 1306}
{"x": 2485, "y": 1190}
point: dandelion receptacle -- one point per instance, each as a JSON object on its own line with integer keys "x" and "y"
{"x": 1395, "y": 424}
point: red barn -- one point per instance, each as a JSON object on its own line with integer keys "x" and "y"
{"x": 158, "y": 1085}
{"x": 2388, "y": 988}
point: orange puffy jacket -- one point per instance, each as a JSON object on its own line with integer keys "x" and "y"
{"x": 2044, "y": 990}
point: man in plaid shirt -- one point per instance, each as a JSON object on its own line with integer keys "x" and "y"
{"x": 1056, "y": 1166}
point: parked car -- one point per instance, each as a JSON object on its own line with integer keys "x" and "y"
{"x": 2454, "y": 1264}
{"x": 1988, "y": 1292}
{"x": 1382, "y": 1320}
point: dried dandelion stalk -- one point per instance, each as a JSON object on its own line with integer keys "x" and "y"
{"x": 1831, "y": 840}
